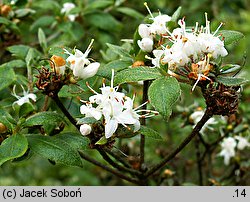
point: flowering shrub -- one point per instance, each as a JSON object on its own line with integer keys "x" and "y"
{"x": 64, "y": 113}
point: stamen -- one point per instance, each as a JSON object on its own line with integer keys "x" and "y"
{"x": 218, "y": 28}
{"x": 197, "y": 81}
{"x": 91, "y": 89}
{"x": 86, "y": 102}
{"x": 141, "y": 105}
{"x": 196, "y": 27}
{"x": 103, "y": 82}
{"x": 89, "y": 48}
{"x": 207, "y": 24}
{"x": 112, "y": 78}
{"x": 146, "y": 5}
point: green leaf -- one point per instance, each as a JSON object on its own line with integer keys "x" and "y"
{"x": 55, "y": 149}
{"x": 231, "y": 81}
{"x": 86, "y": 120}
{"x": 43, "y": 21}
{"x": 29, "y": 57}
{"x": 230, "y": 68}
{"x": 58, "y": 51}
{"x": 163, "y": 94}
{"x": 9, "y": 24}
{"x": 13, "y": 147}
{"x": 150, "y": 133}
{"x": 176, "y": 14}
{"x": 19, "y": 51}
{"x": 106, "y": 70}
{"x": 122, "y": 52}
{"x": 23, "y": 12}
{"x": 99, "y": 4}
{"x": 75, "y": 140}
{"x": 42, "y": 39}
{"x": 130, "y": 12}
{"x": 103, "y": 21}
{"x": 136, "y": 74}
{"x": 230, "y": 36}
{"x": 102, "y": 141}
{"x": 26, "y": 109}
{"x": 14, "y": 64}
{"x": 69, "y": 91}
{"x": 7, "y": 77}
{"x": 45, "y": 119}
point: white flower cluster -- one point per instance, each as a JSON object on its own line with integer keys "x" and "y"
{"x": 67, "y": 7}
{"x": 192, "y": 46}
{"x": 114, "y": 107}
{"x": 184, "y": 47}
{"x": 228, "y": 147}
{"x": 81, "y": 65}
{"x": 149, "y": 31}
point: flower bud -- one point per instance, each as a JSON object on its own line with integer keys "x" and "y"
{"x": 146, "y": 44}
{"x": 72, "y": 80}
{"x": 85, "y": 129}
{"x": 59, "y": 64}
{"x": 144, "y": 31}
{"x": 138, "y": 63}
{"x": 5, "y": 10}
{"x": 3, "y": 128}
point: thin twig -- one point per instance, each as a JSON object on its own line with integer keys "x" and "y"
{"x": 65, "y": 111}
{"x": 45, "y": 104}
{"x": 207, "y": 115}
{"x": 113, "y": 171}
{"x": 143, "y": 122}
{"x": 116, "y": 165}
{"x": 199, "y": 161}
{"x": 118, "y": 158}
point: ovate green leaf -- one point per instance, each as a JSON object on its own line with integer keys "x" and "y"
{"x": 7, "y": 77}
{"x": 55, "y": 149}
{"x": 150, "y": 133}
{"x": 231, "y": 36}
{"x": 136, "y": 74}
{"x": 163, "y": 94}
{"x": 13, "y": 147}
{"x": 231, "y": 81}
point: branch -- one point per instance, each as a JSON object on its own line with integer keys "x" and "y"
{"x": 65, "y": 111}
{"x": 207, "y": 115}
{"x": 117, "y": 157}
{"x": 143, "y": 122}
{"x": 113, "y": 171}
{"x": 116, "y": 165}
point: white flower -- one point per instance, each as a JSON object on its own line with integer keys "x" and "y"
{"x": 81, "y": 65}
{"x": 90, "y": 111}
{"x": 242, "y": 142}
{"x": 157, "y": 60}
{"x": 25, "y": 98}
{"x": 144, "y": 31}
{"x": 210, "y": 43}
{"x": 228, "y": 149}
{"x": 85, "y": 129}
{"x": 196, "y": 117}
{"x": 159, "y": 22}
{"x": 146, "y": 44}
{"x": 67, "y": 7}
